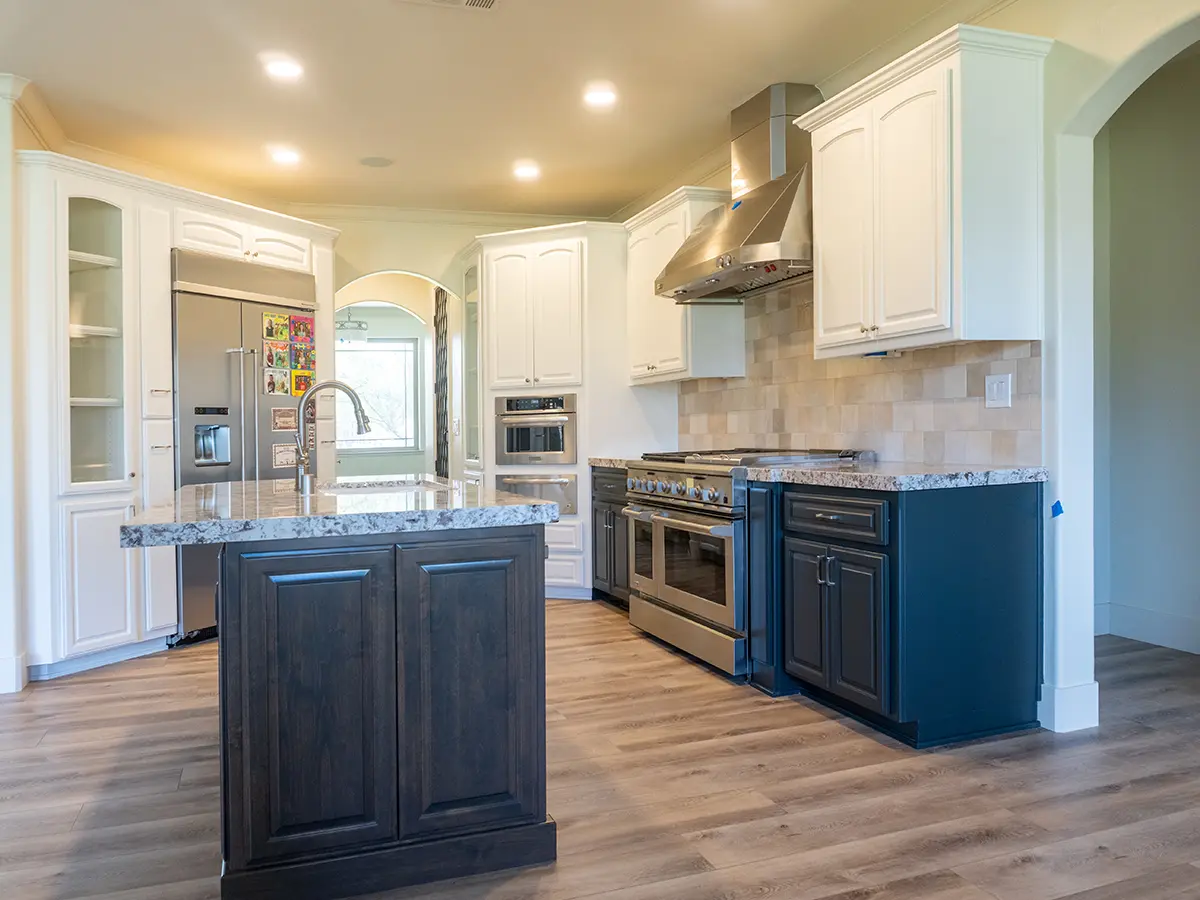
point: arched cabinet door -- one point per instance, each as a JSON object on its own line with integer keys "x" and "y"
{"x": 556, "y": 297}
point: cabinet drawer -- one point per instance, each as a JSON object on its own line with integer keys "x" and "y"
{"x": 850, "y": 518}
{"x": 565, "y": 536}
{"x": 608, "y": 485}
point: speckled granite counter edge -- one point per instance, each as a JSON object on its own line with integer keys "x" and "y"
{"x": 605, "y": 462}
{"x": 299, "y": 527}
{"x": 885, "y": 481}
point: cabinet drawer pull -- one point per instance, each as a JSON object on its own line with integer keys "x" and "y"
{"x": 161, "y": 446}
{"x": 159, "y": 391}
{"x": 820, "y": 562}
{"x": 829, "y": 517}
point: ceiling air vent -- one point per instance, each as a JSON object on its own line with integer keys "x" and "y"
{"x": 456, "y": 4}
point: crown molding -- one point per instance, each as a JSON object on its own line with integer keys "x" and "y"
{"x": 675, "y": 199}
{"x": 952, "y": 40}
{"x": 196, "y": 199}
{"x": 31, "y": 107}
{"x": 567, "y": 229}
{"x": 12, "y": 86}
{"x": 416, "y": 216}
{"x": 706, "y": 168}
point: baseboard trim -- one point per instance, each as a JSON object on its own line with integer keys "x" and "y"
{"x": 1103, "y": 619}
{"x": 12, "y": 674}
{"x": 1070, "y": 708}
{"x": 568, "y": 593}
{"x": 77, "y": 664}
{"x": 1163, "y": 629}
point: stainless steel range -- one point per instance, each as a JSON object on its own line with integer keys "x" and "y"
{"x": 687, "y": 546}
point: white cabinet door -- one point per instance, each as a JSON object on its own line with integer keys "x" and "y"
{"x": 99, "y": 581}
{"x": 159, "y": 597}
{"x": 843, "y": 229}
{"x": 275, "y": 248}
{"x": 640, "y": 295}
{"x": 508, "y": 320}
{"x": 154, "y": 260}
{"x": 556, "y": 297}
{"x": 665, "y": 320}
{"x": 207, "y": 233}
{"x": 912, "y": 213}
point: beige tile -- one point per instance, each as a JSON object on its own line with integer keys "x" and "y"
{"x": 977, "y": 351}
{"x": 913, "y": 386}
{"x": 1029, "y": 448}
{"x": 904, "y": 417}
{"x": 934, "y": 447}
{"x": 1019, "y": 349}
{"x": 1028, "y": 378}
{"x": 977, "y": 374}
{"x": 914, "y": 447}
{"x": 957, "y": 415}
{"x": 890, "y": 446}
{"x": 923, "y": 416}
{"x": 1004, "y": 448}
{"x": 979, "y": 448}
{"x": 956, "y": 447}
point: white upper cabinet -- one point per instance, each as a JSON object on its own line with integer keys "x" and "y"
{"x": 208, "y": 233}
{"x": 533, "y": 307}
{"x": 927, "y": 198}
{"x": 668, "y": 342}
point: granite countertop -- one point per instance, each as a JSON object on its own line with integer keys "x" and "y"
{"x": 884, "y": 476}
{"x": 606, "y": 462}
{"x": 272, "y": 510}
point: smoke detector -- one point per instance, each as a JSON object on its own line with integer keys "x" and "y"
{"x": 481, "y": 5}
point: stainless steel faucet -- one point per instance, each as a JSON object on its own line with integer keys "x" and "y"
{"x": 304, "y": 472}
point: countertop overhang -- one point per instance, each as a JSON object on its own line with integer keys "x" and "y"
{"x": 272, "y": 510}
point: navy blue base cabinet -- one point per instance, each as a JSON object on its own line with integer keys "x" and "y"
{"x": 919, "y": 612}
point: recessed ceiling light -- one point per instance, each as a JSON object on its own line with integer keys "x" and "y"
{"x": 280, "y": 67}
{"x": 375, "y": 162}
{"x": 600, "y": 95}
{"x": 285, "y": 156}
{"x": 527, "y": 170}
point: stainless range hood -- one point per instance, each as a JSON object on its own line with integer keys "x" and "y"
{"x": 763, "y": 238}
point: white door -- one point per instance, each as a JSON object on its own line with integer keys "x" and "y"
{"x": 508, "y": 320}
{"x": 154, "y": 261}
{"x": 667, "y": 322}
{"x": 207, "y": 233}
{"x": 556, "y": 294}
{"x": 912, "y": 252}
{"x": 640, "y": 289}
{"x": 160, "y": 593}
{"x": 99, "y": 581}
{"x": 842, "y": 229}
{"x": 274, "y": 248}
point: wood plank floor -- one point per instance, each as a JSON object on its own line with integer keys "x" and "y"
{"x": 667, "y": 782}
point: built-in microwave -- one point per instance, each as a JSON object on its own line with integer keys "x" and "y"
{"x": 532, "y": 431}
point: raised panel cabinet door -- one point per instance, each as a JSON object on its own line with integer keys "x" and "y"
{"x": 154, "y": 296}
{"x": 472, "y": 668}
{"x": 912, "y": 177}
{"x": 194, "y": 230}
{"x": 557, "y": 302}
{"x": 843, "y": 227}
{"x": 640, "y": 296}
{"x": 508, "y": 319}
{"x": 619, "y": 541}
{"x": 602, "y": 575}
{"x": 858, "y": 626}
{"x": 275, "y": 248}
{"x": 805, "y": 612}
{"x": 316, "y": 756}
{"x": 159, "y": 592}
{"x": 668, "y": 323}
{"x": 100, "y": 582}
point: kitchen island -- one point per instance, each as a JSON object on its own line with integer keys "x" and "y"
{"x": 382, "y": 680}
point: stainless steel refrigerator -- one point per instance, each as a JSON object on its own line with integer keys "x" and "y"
{"x": 225, "y": 425}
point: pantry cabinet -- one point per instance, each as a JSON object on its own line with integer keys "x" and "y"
{"x": 98, "y": 393}
{"x": 928, "y": 197}
{"x": 534, "y": 305}
{"x": 668, "y": 342}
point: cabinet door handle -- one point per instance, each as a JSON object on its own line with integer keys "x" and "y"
{"x": 829, "y": 561}
{"x": 820, "y": 562}
{"x": 527, "y": 381}
{"x": 159, "y": 391}
{"x": 160, "y": 446}
{"x": 829, "y": 517}
{"x": 874, "y": 327}
{"x": 862, "y": 329}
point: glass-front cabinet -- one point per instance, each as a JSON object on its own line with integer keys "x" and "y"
{"x": 98, "y": 286}
{"x": 472, "y": 413}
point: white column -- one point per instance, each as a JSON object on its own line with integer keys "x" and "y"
{"x": 1070, "y": 695}
{"x": 12, "y": 620}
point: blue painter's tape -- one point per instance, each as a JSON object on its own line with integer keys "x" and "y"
{"x": 1056, "y": 510}
{"x": 735, "y": 206}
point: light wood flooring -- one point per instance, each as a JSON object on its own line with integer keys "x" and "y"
{"x": 667, "y": 782}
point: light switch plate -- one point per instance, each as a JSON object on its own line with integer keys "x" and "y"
{"x": 998, "y": 391}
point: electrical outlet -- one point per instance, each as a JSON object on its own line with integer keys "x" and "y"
{"x": 998, "y": 391}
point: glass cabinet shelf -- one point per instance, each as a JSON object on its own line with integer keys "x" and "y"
{"x": 79, "y": 261}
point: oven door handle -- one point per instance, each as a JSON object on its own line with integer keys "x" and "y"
{"x": 630, "y": 513}
{"x": 509, "y": 421}
{"x": 721, "y": 531}
{"x": 535, "y": 480}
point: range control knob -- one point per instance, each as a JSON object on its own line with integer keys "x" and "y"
{"x": 710, "y": 495}
{"x": 678, "y": 488}
{"x": 662, "y": 487}
{"x": 648, "y": 486}
{"x": 630, "y": 483}
{"x": 693, "y": 492}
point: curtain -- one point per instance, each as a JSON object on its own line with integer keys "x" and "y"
{"x": 441, "y": 381}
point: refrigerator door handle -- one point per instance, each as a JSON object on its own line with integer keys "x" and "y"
{"x": 241, "y": 351}
{"x": 255, "y": 385}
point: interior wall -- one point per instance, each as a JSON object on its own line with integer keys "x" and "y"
{"x": 1103, "y": 393}
{"x": 925, "y": 406}
{"x": 411, "y": 315}
{"x": 1152, "y": 483}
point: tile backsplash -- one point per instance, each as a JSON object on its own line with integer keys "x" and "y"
{"x": 925, "y": 406}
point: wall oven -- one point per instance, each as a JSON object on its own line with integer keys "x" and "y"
{"x": 536, "y": 431}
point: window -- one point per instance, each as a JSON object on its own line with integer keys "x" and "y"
{"x": 384, "y": 372}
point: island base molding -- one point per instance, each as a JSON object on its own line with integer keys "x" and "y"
{"x": 396, "y": 867}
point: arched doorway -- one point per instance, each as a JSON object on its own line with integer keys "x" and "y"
{"x": 394, "y": 331}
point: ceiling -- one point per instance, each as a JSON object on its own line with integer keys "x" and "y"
{"x": 453, "y": 96}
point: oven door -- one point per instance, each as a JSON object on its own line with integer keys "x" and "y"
{"x": 641, "y": 550}
{"x": 536, "y": 439}
{"x": 696, "y": 566}
{"x": 560, "y": 489}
